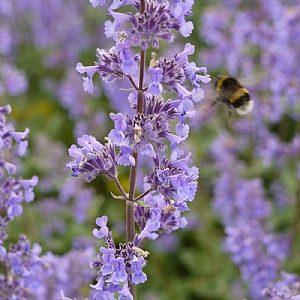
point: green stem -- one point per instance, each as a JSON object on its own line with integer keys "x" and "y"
{"x": 143, "y": 195}
{"x": 118, "y": 184}
{"x": 130, "y": 225}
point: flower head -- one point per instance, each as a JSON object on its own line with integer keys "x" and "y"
{"x": 117, "y": 266}
{"x": 174, "y": 179}
{"x": 145, "y": 131}
{"x": 93, "y": 159}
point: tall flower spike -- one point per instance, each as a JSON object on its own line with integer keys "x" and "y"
{"x": 171, "y": 182}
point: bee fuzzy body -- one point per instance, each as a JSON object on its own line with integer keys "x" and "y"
{"x": 233, "y": 94}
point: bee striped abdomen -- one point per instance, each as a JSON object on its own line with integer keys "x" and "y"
{"x": 238, "y": 94}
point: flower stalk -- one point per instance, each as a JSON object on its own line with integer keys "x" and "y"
{"x": 171, "y": 182}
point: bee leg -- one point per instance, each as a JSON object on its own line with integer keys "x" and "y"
{"x": 248, "y": 118}
{"x": 211, "y": 106}
{"x": 230, "y": 119}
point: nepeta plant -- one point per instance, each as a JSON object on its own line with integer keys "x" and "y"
{"x": 24, "y": 273}
{"x": 20, "y": 264}
{"x": 147, "y": 132}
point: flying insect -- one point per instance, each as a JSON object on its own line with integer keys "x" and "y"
{"x": 231, "y": 92}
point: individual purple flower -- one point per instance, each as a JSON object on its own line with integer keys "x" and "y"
{"x": 151, "y": 226}
{"x": 22, "y": 145}
{"x": 192, "y": 70}
{"x": 120, "y": 274}
{"x": 182, "y": 9}
{"x": 136, "y": 266}
{"x": 120, "y": 122}
{"x": 125, "y": 158}
{"x": 182, "y": 129}
{"x": 129, "y": 65}
{"x": 111, "y": 27}
{"x": 87, "y": 81}
{"x": 108, "y": 261}
{"x": 155, "y": 88}
{"x": 103, "y": 231}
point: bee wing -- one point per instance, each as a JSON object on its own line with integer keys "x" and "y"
{"x": 253, "y": 80}
{"x": 210, "y": 96}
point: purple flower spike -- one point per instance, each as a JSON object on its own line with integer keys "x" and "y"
{"x": 148, "y": 131}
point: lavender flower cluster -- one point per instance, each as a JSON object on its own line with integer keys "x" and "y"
{"x": 26, "y": 274}
{"x": 244, "y": 210}
{"x": 257, "y": 42}
{"x": 13, "y": 81}
{"x": 20, "y": 261}
{"x": 145, "y": 131}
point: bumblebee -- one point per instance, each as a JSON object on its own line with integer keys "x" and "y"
{"x": 231, "y": 92}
